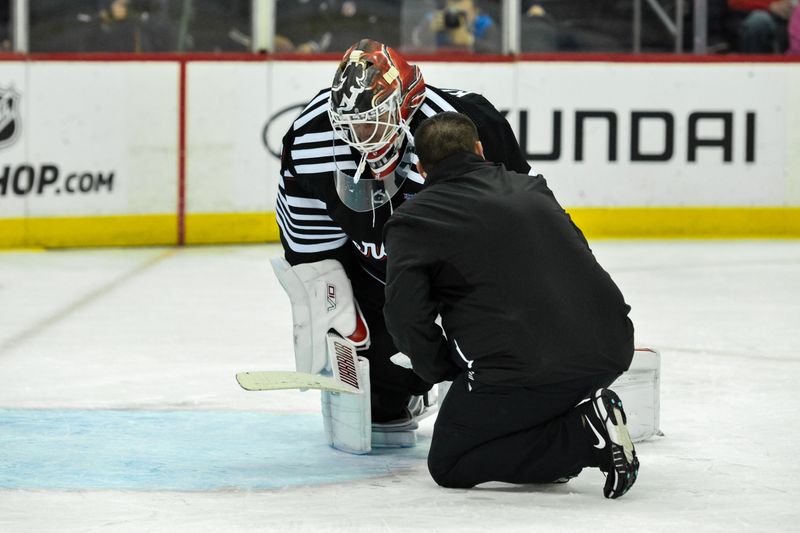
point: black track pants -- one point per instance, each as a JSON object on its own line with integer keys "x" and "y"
{"x": 511, "y": 434}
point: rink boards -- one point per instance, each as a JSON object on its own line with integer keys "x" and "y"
{"x": 162, "y": 150}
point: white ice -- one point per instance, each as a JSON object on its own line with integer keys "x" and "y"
{"x": 167, "y": 329}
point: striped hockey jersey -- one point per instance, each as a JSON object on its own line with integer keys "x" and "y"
{"x": 314, "y": 223}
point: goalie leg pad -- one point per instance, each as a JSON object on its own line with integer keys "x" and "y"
{"x": 347, "y": 417}
{"x": 639, "y": 387}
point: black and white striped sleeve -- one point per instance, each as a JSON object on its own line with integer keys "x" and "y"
{"x": 307, "y": 232}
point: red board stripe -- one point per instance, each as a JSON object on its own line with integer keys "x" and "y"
{"x": 182, "y": 155}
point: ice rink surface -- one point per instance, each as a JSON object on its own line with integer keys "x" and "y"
{"x": 119, "y": 410}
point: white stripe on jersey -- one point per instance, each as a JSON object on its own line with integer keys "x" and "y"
{"x": 324, "y": 232}
{"x": 321, "y": 218}
{"x": 305, "y": 119}
{"x": 427, "y": 110}
{"x": 291, "y": 200}
{"x": 415, "y": 177}
{"x": 318, "y": 98}
{"x": 309, "y": 248}
{"x": 299, "y": 201}
{"x": 311, "y": 153}
{"x": 315, "y": 137}
{"x": 410, "y": 159}
{"x": 431, "y": 96}
{"x": 326, "y": 167}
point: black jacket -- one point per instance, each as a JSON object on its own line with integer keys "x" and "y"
{"x": 522, "y": 298}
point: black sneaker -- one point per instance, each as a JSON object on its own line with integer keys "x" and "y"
{"x": 606, "y": 419}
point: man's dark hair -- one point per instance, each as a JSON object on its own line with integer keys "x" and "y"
{"x": 443, "y": 135}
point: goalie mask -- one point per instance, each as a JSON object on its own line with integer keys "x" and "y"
{"x": 373, "y": 97}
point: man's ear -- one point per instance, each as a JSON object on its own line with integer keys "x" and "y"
{"x": 421, "y": 170}
{"x": 479, "y": 149}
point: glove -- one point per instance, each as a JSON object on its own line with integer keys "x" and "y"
{"x": 401, "y": 359}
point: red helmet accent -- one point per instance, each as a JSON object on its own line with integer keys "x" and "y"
{"x": 371, "y": 72}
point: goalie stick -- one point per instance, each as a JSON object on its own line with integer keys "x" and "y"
{"x": 346, "y": 375}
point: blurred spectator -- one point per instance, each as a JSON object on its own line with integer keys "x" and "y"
{"x": 762, "y": 25}
{"x": 719, "y": 37}
{"x": 460, "y": 25}
{"x": 313, "y": 26}
{"x": 540, "y": 32}
{"x": 598, "y": 26}
{"x": 794, "y": 31}
{"x": 140, "y": 25}
{"x": 160, "y": 28}
{"x": 558, "y": 27}
{"x": 5, "y": 25}
{"x": 116, "y": 29}
{"x": 299, "y": 26}
{"x": 213, "y": 25}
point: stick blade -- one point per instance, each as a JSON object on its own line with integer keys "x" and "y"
{"x": 282, "y": 380}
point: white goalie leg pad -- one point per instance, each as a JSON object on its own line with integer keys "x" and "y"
{"x": 322, "y": 300}
{"x": 346, "y": 417}
{"x": 640, "y": 389}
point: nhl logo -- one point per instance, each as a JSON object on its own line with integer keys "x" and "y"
{"x": 9, "y": 117}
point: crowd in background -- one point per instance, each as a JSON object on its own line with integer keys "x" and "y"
{"x": 417, "y": 26}
{"x": 5, "y": 26}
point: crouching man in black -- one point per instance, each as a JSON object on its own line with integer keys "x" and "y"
{"x": 534, "y": 328}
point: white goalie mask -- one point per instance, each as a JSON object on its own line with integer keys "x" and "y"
{"x": 370, "y": 131}
{"x": 378, "y": 135}
{"x": 373, "y": 95}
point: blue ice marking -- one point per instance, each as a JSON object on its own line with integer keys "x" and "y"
{"x": 179, "y": 450}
